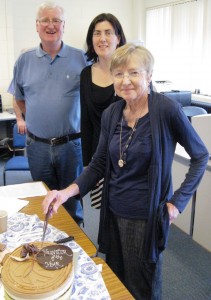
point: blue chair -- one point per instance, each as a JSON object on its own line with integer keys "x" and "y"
{"x": 17, "y": 162}
{"x": 191, "y": 111}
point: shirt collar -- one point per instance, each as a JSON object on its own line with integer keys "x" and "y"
{"x": 62, "y": 52}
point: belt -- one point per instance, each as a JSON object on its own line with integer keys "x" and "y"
{"x": 56, "y": 141}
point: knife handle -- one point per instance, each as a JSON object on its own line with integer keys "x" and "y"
{"x": 69, "y": 238}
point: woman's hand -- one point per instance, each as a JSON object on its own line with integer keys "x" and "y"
{"x": 57, "y": 198}
{"x": 173, "y": 212}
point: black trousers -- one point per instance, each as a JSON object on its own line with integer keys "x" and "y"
{"x": 143, "y": 280}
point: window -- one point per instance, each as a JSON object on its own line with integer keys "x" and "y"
{"x": 179, "y": 37}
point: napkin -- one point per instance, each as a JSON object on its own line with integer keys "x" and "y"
{"x": 12, "y": 205}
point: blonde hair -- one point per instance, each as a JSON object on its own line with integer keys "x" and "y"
{"x": 49, "y": 5}
{"x": 122, "y": 54}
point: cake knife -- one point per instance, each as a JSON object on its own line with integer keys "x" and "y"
{"x": 47, "y": 216}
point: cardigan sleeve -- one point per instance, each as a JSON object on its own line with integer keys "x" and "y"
{"x": 190, "y": 140}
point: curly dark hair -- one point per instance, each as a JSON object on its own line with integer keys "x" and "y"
{"x": 90, "y": 53}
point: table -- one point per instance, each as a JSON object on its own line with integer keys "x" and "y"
{"x": 115, "y": 287}
{"x": 201, "y": 98}
{"x": 6, "y": 116}
{"x": 62, "y": 221}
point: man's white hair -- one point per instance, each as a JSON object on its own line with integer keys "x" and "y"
{"x": 49, "y": 5}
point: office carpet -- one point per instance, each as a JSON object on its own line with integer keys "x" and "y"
{"x": 186, "y": 266}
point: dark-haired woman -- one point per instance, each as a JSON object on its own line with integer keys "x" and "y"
{"x": 104, "y": 35}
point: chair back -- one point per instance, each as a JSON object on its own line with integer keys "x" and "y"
{"x": 183, "y": 97}
{"x": 192, "y": 111}
{"x": 19, "y": 140}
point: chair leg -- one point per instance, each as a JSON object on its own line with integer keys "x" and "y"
{"x": 4, "y": 177}
{"x": 193, "y": 213}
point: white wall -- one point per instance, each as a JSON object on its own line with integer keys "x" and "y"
{"x": 139, "y": 21}
{"x": 5, "y": 50}
{"x": 17, "y": 27}
{"x": 155, "y": 3}
{"x": 78, "y": 16}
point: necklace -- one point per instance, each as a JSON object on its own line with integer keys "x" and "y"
{"x": 122, "y": 151}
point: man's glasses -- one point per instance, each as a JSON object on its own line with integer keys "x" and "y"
{"x": 46, "y": 22}
{"x": 131, "y": 75}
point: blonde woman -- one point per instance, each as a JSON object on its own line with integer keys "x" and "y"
{"x": 134, "y": 155}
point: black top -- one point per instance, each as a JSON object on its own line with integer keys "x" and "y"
{"x": 94, "y": 100}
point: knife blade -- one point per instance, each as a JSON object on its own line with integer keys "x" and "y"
{"x": 47, "y": 216}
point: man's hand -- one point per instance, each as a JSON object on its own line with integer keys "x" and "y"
{"x": 18, "y": 112}
{"x": 21, "y": 126}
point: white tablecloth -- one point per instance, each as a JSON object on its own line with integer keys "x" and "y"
{"x": 88, "y": 281}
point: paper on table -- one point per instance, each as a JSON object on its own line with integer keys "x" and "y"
{"x": 12, "y": 205}
{"x": 24, "y": 190}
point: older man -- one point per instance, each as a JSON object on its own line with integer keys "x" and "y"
{"x": 47, "y": 91}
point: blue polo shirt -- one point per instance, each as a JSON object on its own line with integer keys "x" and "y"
{"x": 50, "y": 89}
{"x": 11, "y": 88}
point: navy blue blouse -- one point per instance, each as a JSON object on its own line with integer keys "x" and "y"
{"x": 128, "y": 186}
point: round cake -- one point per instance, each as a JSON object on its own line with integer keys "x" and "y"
{"x": 28, "y": 279}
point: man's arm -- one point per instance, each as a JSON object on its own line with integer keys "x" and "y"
{"x": 19, "y": 108}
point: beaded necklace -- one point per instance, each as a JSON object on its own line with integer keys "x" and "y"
{"x": 123, "y": 150}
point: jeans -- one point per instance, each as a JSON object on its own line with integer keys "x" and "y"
{"x": 57, "y": 166}
{"x": 125, "y": 254}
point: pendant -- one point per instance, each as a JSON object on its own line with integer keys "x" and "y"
{"x": 120, "y": 163}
